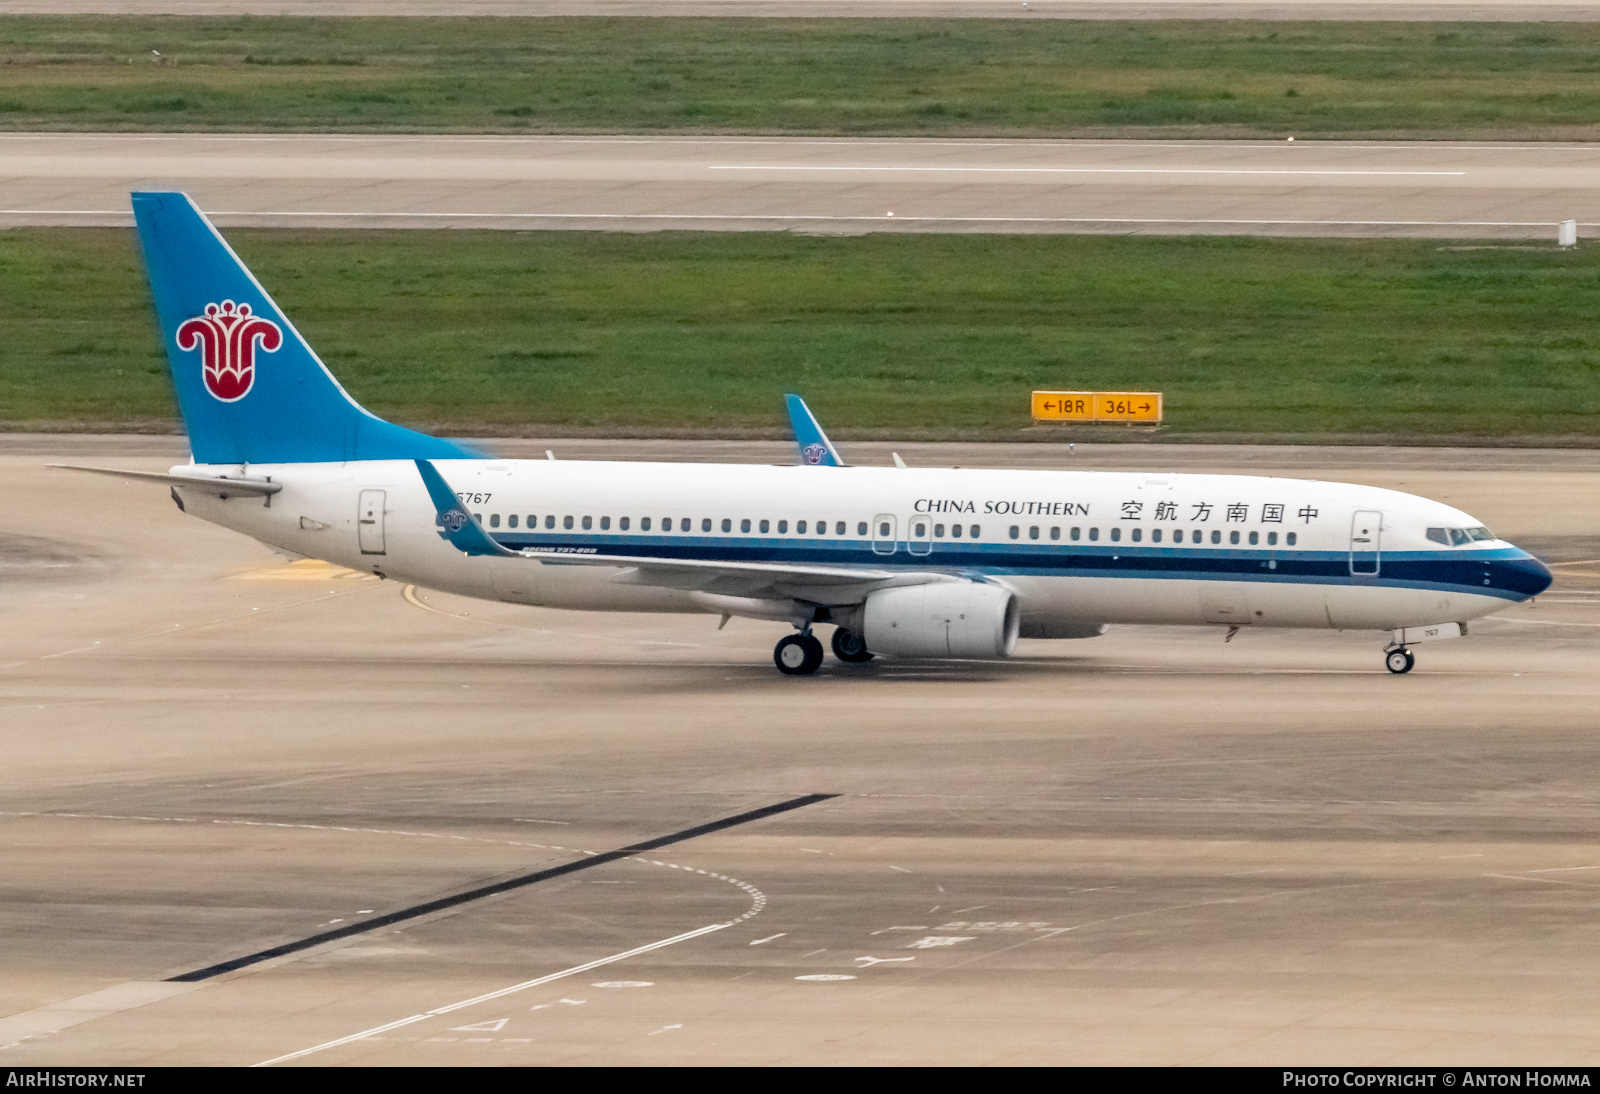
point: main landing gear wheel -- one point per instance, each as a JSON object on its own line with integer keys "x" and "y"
{"x": 1400, "y": 661}
{"x": 850, "y": 646}
{"x": 797, "y": 655}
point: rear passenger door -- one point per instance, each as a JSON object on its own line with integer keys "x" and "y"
{"x": 369, "y": 522}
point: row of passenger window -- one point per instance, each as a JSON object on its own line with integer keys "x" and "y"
{"x": 686, "y": 524}
{"x": 1196, "y": 535}
{"x": 919, "y": 530}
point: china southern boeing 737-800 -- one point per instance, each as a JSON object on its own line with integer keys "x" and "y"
{"x": 901, "y": 562}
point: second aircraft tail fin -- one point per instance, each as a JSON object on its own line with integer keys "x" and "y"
{"x": 815, "y": 448}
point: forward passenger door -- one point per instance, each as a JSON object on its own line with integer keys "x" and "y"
{"x": 1366, "y": 543}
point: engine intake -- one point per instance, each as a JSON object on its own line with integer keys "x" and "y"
{"x": 946, "y": 619}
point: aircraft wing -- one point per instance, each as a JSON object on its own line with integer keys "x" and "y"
{"x": 818, "y": 574}
{"x": 784, "y": 580}
{"x": 818, "y": 584}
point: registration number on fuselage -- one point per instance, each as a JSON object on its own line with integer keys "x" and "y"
{"x": 474, "y": 499}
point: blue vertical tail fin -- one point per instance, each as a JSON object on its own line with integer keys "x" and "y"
{"x": 815, "y": 448}
{"x": 249, "y": 387}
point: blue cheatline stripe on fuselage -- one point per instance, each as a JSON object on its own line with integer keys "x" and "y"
{"x": 1511, "y": 573}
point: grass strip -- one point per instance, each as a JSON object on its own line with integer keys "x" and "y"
{"x": 818, "y": 76}
{"x": 887, "y": 335}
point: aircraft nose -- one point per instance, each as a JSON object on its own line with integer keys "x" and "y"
{"x": 1526, "y": 575}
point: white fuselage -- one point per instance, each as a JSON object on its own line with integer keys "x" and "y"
{"x": 1077, "y": 548}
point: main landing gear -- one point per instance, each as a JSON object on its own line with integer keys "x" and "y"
{"x": 850, "y": 646}
{"x": 798, "y": 654}
{"x": 1399, "y": 660}
{"x": 801, "y": 654}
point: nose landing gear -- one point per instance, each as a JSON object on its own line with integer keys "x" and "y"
{"x": 1399, "y": 660}
{"x": 797, "y": 654}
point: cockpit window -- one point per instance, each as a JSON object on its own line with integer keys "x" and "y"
{"x": 1455, "y": 537}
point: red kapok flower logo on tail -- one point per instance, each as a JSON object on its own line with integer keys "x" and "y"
{"x": 227, "y": 336}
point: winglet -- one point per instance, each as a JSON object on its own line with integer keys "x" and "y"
{"x": 457, "y": 525}
{"x": 815, "y": 448}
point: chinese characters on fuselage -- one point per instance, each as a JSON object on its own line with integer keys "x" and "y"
{"x": 1235, "y": 512}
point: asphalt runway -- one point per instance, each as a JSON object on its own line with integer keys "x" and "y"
{"x": 1150, "y": 847}
{"x": 1498, "y": 10}
{"x": 1431, "y": 189}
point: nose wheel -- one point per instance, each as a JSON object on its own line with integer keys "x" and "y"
{"x": 1400, "y": 660}
{"x": 850, "y": 646}
{"x": 797, "y": 655}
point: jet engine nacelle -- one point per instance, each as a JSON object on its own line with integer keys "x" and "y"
{"x": 946, "y": 619}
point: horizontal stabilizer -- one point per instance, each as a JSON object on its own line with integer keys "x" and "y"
{"x": 219, "y": 485}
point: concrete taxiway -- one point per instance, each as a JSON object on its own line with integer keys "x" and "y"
{"x": 644, "y": 183}
{"x": 1149, "y": 847}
